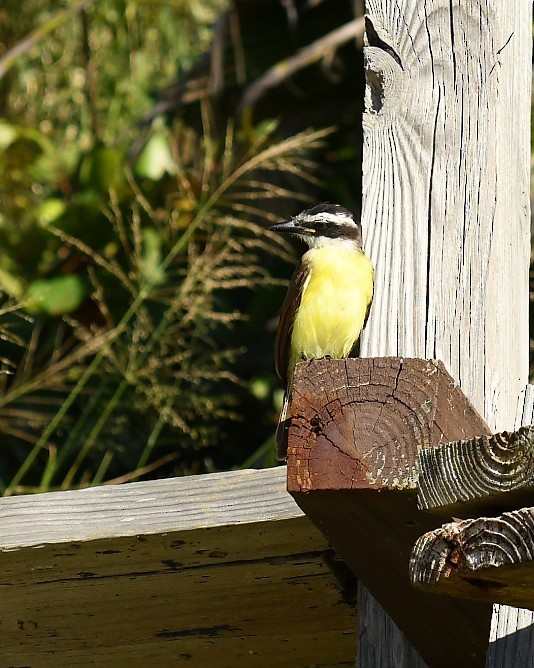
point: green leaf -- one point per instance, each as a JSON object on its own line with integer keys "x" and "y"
{"x": 11, "y": 133}
{"x": 10, "y": 284}
{"x": 260, "y": 387}
{"x": 156, "y": 158}
{"x": 103, "y": 169}
{"x": 150, "y": 264}
{"x": 56, "y": 296}
{"x": 50, "y": 210}
{"x": 278, "y": 399}
{"x": 8, "y": 134}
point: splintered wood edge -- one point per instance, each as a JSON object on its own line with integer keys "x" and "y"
{"x": 484, "y": 468}
{"x": 488, "y": 558}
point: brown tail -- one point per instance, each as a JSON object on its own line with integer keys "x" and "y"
{"x": 281, "y": 431}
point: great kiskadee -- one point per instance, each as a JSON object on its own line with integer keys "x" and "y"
{"x": 328, "y": 297}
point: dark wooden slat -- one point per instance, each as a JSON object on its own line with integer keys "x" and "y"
{"x": 215, "y": 570}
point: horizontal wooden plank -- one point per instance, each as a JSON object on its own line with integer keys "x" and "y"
{"x": 487, "y": 559}
{"x": 175, "y": 504}
{"x": 216, "y": 570}
{"x": 226, "y": 652}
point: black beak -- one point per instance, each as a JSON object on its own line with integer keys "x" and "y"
{"x": 291, "y": 227}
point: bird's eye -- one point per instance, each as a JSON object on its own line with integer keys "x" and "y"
{"x": 309, "y": 230}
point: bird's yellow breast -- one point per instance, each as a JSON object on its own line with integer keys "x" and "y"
{"x": 333, "y": 305}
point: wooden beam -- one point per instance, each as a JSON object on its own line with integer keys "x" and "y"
{"x": 488, "y": 559}
{"x": 239, "y": 497}
{"x": 486, "y": 474}
{"x": 189, "y": 570}
{"x": 511, "y": 640}
{"x": 446, "y": 210}
{"x": 356, "y": 428}
{"x": 377, "y": 414}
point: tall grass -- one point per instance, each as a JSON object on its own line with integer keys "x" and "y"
{"x": 156, "y": 358}
{"x": 126, "y": 284}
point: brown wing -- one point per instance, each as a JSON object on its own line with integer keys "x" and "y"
{"x": 287, "y": 316}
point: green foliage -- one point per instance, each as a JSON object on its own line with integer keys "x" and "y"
{"x": 135, "y": 367}
{"x": 55, "y": 296}
{"x": 126, "y": 284}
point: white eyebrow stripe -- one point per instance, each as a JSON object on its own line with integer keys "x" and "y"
{"x": 336, "y": 218}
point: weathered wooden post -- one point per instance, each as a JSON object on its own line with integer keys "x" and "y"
{"x": 446, "y": 191}
{"x": 446, "y": 222}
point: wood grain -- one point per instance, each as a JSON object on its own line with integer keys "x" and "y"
{"x": 360, "y": 423}
{"x": 446, "y": 191}
{"x": 213, "y": 570}
{"x": 151, "y": 507}
{"x": 489, "y": 559}
{"x": 487, "y": 473}
{"x": 511, "y": 639}
{"x": 381, "y": 642}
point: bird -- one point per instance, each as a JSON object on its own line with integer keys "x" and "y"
{"x": 328, "y": 297}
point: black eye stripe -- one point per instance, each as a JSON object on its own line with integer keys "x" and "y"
{"x": 318, "y": 224}
{"x": 334, "y": 231}
{"x": 321, "y": 224}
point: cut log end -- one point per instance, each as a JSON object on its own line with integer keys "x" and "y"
{"x": 487, "y": 559}
{"x": 360, "y": 423}
{"x": 476, "y": 475}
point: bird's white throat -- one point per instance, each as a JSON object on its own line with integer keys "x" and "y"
{"x": 329, "y": 242}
